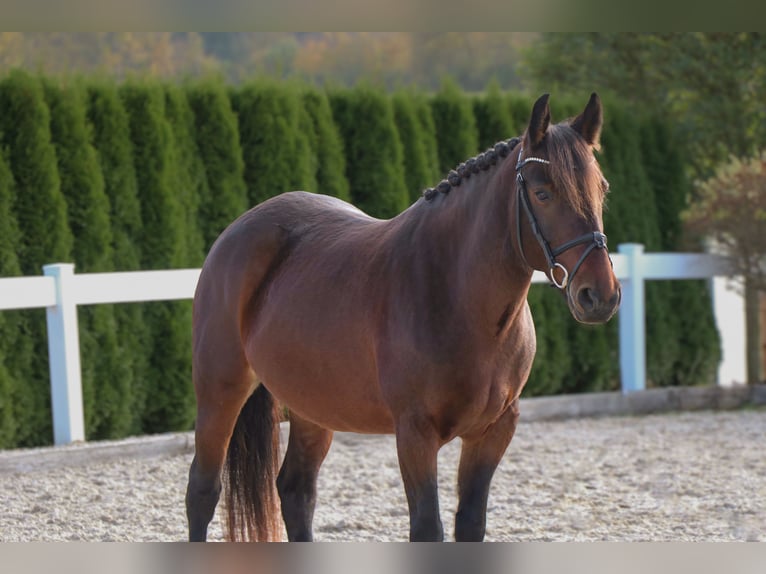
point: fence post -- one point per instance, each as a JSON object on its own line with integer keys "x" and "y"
{"x": 632, "y": 321}
{"x": 64, "y": 355}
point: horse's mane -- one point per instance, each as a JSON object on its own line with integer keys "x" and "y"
{"x": 570, "y": 168}
{"x": 476, "y": 164}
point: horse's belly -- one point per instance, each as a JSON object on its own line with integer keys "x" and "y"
{"x": 327, "y": 378}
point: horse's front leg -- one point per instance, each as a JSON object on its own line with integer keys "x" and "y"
{"x": 478, "y": 460}
{"x": 417, "y": 444}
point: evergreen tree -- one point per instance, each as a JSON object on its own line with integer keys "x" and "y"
{"x": 170, "y": 399}
{"x": 327, "y": 145}
{"x": 632, "y": 217}
{"x": 11, "y": 362}
{"x": 520, "y": 109}
{"x": 191, "y": 180}
{"x": 456, "y": 132}
{"x": 218, "y": 143}
{"x": 40, "y": 211}
{"x": 427, "y": 132}
{"x": 111, "y": 140}
{"x": 540, "y": 379}
{"x": 493, "y": 117}
{"x": 104, "y": 375}
{"x": 374, "y": 162}
{"x": 417, "y": 171}
{"x": 553, "y": 361}
{"x": 689, "y": 302}
{"x": 273, "y": 147}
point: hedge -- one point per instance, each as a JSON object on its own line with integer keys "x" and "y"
{"x": 105, "y": 376}
{"x": 326, "y": 145}
{"x": 41, "y": 215}
{"x": 10, "y": 381}
{"x": 218, "y": 141}
{"x": 146, "y": 174}
{"x": 456, "y": 134}
{"x": 275, "y": 146}
{"x": 374, "y": 156}
{"x": 170, "y": 401}
{"x": 110, "y": 129}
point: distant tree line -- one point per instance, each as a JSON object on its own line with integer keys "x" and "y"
{"x": 145, "y": 174}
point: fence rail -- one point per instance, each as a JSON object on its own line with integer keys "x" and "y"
{"x": 60, "y": 291}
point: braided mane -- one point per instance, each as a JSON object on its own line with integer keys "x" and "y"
{"x": 481, "y": 162}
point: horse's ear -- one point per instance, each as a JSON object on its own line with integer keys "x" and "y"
{"x": 588, "y": 124}
{"x": 538, "y": 123}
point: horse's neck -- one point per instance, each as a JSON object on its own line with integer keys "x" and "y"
{"x": 473, "y": 239}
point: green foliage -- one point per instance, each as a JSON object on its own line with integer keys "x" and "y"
{"x": 520, "y": 108}
{"x": 417, "y": 170}
{"x": 191, "y": 181}
{"x": 456, "y": 132}
{"x": 218, "y": 143}
{"x": 111, "y": 140}
{"x": 428, "y": 133}
{"x": 152, "y": 173}
{"x": 170, "y": 401}
{"x": 9, "y": 320}
{"x": 274, "y": 148}
{"x": 493, "y": 117}
{"x": 712, "y": 83}
{"x": 374, "y": 158}
{"x": 553, "y": 361}
{"x": 105, "y": 377}
{"x": 40, "y": 213}
{"x": 326, "y": 145}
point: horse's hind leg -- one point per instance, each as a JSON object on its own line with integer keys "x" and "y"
{"x": 297, "y": 480}
{"x": 478, "y": 460}
{"x": 223, "y": 382}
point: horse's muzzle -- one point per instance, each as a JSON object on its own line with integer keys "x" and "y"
{"x": 589, "y": 305}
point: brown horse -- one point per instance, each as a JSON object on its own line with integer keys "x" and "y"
{"x": 418, "y": 326}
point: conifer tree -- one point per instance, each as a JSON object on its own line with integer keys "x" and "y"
{"x": 456, "y": 132}
{"x": 273, "y": 148}
{"x": 632, "y": 217}
{"x": 520, "y": 109}
{"x": 493, "y": 117}
{"x": 191, "y": 180}
{"x": 217, "y": 138}
{"x": 170, "y": 399}
{"x": 105, "y": 378}
{"x": 40, "y": 212}
{"x": 416, "y": 168}
{"x": 689, "y": 301}
{"x": 11, "y": 363}
{"x": 374, "y": 161}
{"x": 428, "y": 134}
{"x": 326, "y": 145}
{"x": 111, "y": 140}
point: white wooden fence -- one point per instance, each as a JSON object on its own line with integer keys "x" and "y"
{"x": 60, "y": 291}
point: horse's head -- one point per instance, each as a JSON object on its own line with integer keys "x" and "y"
{"x": 560, "y": 193}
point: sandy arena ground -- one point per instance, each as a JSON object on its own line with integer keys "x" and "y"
{"x": 674, "y": 477}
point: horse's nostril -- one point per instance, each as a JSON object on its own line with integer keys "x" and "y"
{"x": 587, "y": 299}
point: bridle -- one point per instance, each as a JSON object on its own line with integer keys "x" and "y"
{"x": 595, "y": 239}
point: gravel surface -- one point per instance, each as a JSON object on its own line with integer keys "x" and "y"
{"x": 678, "y": 477}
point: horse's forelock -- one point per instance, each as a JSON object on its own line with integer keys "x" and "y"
{"x": 574, "y": 170}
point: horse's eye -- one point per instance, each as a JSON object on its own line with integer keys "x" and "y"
{"x": 542, "y": 195}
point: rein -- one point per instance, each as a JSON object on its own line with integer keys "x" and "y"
{"x": 595, "y": 239}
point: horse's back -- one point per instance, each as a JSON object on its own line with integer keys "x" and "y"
{"x": 292, "y": 280}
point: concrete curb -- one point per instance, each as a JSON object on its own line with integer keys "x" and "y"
{"x": 532, "y": 409}
{"x": 643, "y": 402}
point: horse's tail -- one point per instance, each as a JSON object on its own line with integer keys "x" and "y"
{"x": 251, "y": 467}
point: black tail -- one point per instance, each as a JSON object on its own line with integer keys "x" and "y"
{"x": 251, "y": 467}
